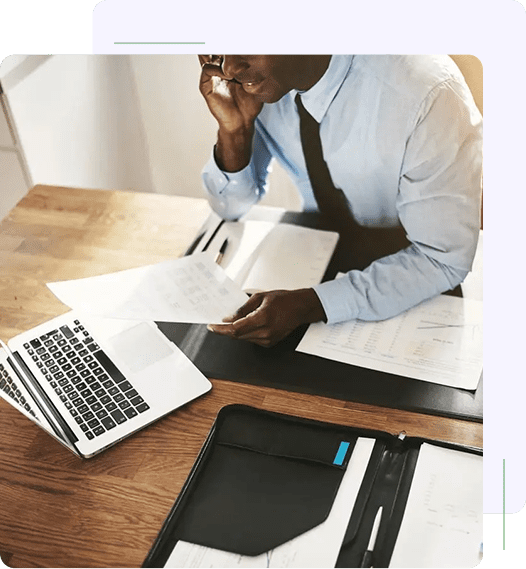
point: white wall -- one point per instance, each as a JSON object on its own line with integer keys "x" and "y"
{"x": 179, "y": 129}
{"x": 79, "y": 123}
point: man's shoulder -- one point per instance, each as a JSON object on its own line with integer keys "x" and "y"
{"x": 416, "y": 73}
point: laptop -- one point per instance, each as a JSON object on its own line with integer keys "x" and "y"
{"x": 90, "y": 382}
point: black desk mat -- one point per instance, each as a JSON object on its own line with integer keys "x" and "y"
{"x": 281, "y": 367}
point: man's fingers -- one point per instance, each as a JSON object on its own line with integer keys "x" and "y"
{"x": 240, "y": 325}
{"x": 250, "y": 305}
{"x": 260, "y": 336}
{"x": 213, "y": 71}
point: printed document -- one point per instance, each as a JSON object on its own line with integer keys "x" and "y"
{"x": 192, "y": 289}
{"x": 442, "y": 524}
{"x": 318, "y": 547}
{"x": 439, "y": 341}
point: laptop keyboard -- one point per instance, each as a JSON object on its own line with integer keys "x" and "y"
{"x": 91, "y": 387}
{"x": 8, "y": 385}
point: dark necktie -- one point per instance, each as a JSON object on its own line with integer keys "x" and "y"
{"x": 366, "y": 244}
{"x": 331, "y": 201}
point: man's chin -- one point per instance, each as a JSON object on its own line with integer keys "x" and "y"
{"x": 269, "y": 97}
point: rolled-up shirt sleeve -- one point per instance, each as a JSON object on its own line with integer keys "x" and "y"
{"x": 232, "y": 194}
{"x": 438, "y": 205}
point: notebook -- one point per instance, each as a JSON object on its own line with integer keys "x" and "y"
{"x": 90, "y": 382}
{"x": 264, "y": 255}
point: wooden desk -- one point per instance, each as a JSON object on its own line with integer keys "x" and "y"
{"x": 57, "y": 510}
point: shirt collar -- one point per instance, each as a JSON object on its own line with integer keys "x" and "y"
{"x": 319, "y": 97}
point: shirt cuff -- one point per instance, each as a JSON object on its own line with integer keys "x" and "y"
{"x": 216, "y": 180}
{"x": 337, "y": 300}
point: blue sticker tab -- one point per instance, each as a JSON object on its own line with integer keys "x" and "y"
{"x": 340, "y": 455}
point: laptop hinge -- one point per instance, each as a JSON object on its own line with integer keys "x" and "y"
{"x": 41, "y": 399}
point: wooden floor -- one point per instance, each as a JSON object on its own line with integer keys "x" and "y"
{"x": 57, "y": 510}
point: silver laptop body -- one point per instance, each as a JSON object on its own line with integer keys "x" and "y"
{"x": 90, "y": 382}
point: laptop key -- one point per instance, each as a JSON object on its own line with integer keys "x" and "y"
{"x": 90, "y": 435}
{"x": 142, "y": 407}
{"x": 109, "y": 366}
{"x": 118, "y": 416}
{"x": 99, "y": 430}
{"x": 108, "y": 422}
{"x": 67, "y": 332}
{"x": 125, "y": 386}
{"x": 130, "y": 412}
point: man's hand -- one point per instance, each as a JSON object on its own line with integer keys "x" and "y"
{"x": 267, "y": 317}
{"x": 231, "y": 106}
{"x": 235, "y": 111}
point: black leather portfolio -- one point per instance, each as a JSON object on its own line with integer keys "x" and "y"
{"x": 263, "y": 478}
{"x": 282, "y": 367}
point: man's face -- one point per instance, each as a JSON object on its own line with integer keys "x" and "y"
{"x": 266, "y": 77}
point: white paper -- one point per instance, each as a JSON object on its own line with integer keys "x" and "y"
{"x": 318, "y": 547}
{"x": 262, "y": 255}
{"x": 439, "y": 341}
{"x": 192, "y": 289}
{"x": 442, "y": 524}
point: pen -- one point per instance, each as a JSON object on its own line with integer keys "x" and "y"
{"x": 195, "y": 243}
{"x": 213, "y": 235}
{"x": 367, "y": 560}
{"x": 221, "y": 253}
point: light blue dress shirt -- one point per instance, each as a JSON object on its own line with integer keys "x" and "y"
{"x": 402, "y": 138}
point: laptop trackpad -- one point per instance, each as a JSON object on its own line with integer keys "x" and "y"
{"x": 139, "y": 347}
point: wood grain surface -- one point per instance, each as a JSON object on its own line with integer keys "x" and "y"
{"x": 57, "y": 510}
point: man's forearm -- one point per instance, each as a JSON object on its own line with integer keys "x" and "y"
{"x": 233, "y": 149}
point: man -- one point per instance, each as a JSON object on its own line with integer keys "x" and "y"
{"x": 402, "y": 140}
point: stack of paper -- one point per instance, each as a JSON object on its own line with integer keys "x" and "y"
{"x": 439, "y": 341}
{"x": 442, "y": 525}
